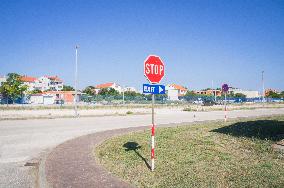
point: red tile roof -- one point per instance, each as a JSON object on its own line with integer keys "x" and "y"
{"x": 54, "y": 78}
{"x": 106, "y": 85}
{"x": 178, "y": 87}
{"x": 28, "y": 79}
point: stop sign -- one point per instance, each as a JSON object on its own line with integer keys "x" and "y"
{"x": 154, "y": 69}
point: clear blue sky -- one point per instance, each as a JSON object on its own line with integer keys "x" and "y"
{"x": 227, "y": 41}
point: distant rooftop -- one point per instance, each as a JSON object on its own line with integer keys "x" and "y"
{"x": 54, "y": 78}
{"x": 27, "y": 79}
{"x": 105, "y": 85}
{"x": 178, "y": 87}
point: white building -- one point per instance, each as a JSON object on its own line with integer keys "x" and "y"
{"x": 115, "y": 86}
{"x": 181, "y": 90}
{"x": 174, "y": 91}
{"x": 42, "y": 99}
{"x": 55, "y": 83}
{"x": 2, "y": 79}
{"x": 29, "y": 81}
{"x": 43, "y": 83}
{"x": 247, "y": 93}
{"x": 130, "y": 89}
{"x": 172, "y": 94}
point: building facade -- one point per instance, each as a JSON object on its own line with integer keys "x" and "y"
{"x": 174, "y": 91}
{"x": 2, "y": 79}
{"x": 247, "y": 93}
{"x": 213, "y": 92}
{"x": 181, "y": 90}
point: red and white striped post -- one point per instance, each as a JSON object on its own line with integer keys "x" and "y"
{"x": 153, "y": 148}
{"x": 153, "y": 136}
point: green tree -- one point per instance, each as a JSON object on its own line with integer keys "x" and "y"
{"x": 13, "y": 88}
{"x": 108, "y": 92}
{"x": 132, "y": 94}
{"x": 282, "y": 94}
{"x": 90, "y": 90}
{"x": 36, "y": 91}
{"x": 191, "y": 94}
{"x": 240, "y": 95}
{"x": 67, "y": 88}
{"x": 273, "y": 94}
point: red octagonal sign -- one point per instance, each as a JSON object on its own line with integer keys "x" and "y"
{"x": 154, "y": 69}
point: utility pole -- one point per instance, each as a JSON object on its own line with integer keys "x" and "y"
{"x": 76, "y": 79}
{"x": 263, "y": 91}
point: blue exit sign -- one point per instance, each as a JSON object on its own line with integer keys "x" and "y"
{"x": 154, "y": 89}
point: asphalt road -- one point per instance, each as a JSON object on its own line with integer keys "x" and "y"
{"x": 22, "y": 140}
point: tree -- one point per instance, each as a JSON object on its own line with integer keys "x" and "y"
{"x": 132, "y": 94}
{"x": 272, "y": 94}
{"x": 13, "y": 88}
{"x": 240, "y": 95}
{"x": 36, "y": 91}
{"x": 68, "y": 88}
{"x": 190, "y": 94}
{"x": 90, "y": 90}
{"x": 108, "y": 91}
{"x": 282, "y": 94}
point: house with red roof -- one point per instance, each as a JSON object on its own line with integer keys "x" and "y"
{"x": 113, "y": 85}
{"x": 174, "y": 91}
{"x": 43, "y": 83}
{"x": 181, "y": 90}
{"x": 29, "y": 81}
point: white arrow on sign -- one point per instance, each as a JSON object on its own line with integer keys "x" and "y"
{"x": 160, "y": 89}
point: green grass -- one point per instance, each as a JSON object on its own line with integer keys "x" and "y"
{"x": 129, "y": 112}
{"x": 212, "y": 154}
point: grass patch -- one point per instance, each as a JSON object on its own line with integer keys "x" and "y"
{"x": 129, "y": 112}
{"x": 189, "y": 109}
{"x": 213, "y": 154}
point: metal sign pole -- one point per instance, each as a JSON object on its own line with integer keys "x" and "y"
{"x": 76, "y": 79}
{"x": 225, "y": 106}
{"x": 153, "y": 136}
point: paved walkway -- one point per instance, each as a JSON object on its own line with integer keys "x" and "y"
{"x": 72, "y": 163}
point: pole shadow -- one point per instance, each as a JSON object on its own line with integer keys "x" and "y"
{"x": 261, "y": 129}
{"x": 134, "y": 146}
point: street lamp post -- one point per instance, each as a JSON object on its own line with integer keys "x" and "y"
{"x": 213, "y": 90}
{"x": 76, "y": 79}
{"x": 123, "y": 95}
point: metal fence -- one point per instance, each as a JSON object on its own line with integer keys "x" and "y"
{"x": 159, "y": 99}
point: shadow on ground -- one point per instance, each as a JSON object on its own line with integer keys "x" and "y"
{"x": 261, "y": 129}
{"x": 134, "y": 146}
